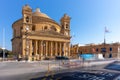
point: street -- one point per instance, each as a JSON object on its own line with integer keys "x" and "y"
{"x": 61, "y": 70}
{"x": 88, "y": 75}
{"x": 102, "y": 72}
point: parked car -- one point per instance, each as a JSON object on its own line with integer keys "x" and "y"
{"x": 61, "y": 58}
{"x": 19, "y": 59}
{"x": 46, "y": 58}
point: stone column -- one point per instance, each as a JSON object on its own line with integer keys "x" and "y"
{"x": 60, "y": 48}
{"x": 68, "y": 49}
{"x": 30, "y": 50}
{"x": 39, "y": 49}
{"x": 36, "y": 48}
{"x": 46, "y": 48}
{"x": 51, "y": 48}
{"x": 41, "y": 46}
{"x": 64, "y": 49}
{"x": 23, "y": 48}
{"x": 56, "y": 51}
{"x": 38, "y": 54}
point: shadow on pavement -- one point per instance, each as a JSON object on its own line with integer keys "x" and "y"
{"x": 98, "y": 75}
{"x": 113, "y": 66}
{"x": 85, "y": 75}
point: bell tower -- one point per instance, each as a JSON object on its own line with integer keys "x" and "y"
{"x": 27, "y": 17}
{"x": 65, "y": 25}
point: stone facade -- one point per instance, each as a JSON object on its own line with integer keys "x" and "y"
{"x": 108, "y": 50}
{"x": 36, "y": 36}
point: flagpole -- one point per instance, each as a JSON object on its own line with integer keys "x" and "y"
{"x": 104, "y": 42}
{"x": 3, "y": 44}
{"x": 104, "y": 37}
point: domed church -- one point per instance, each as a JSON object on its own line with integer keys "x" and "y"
{"x": 36, "y": 36}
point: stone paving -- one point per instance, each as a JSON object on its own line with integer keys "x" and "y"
{"x": 114, "y": 66}
{"x": 96, "y": 75}
{"x": 31, "y": 70}
{"x": 86, "y": 73}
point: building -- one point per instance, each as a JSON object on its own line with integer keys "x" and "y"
{"x": 108, "y": 50}
{"x": 36, "y": 36}
{"x": 74, "y": 50}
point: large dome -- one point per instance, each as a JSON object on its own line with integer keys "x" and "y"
{"x": 39, "y": 13}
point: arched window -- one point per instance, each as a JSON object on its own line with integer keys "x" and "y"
{"x": 67, "y": 26}
{"x": 33, "y": 28}
{"x": 21, "y": 30}
{"x": 97, "y": 49}
{"x": 53, "y": 28}
{"x": 27, "y": 19}
{"x": 110, "y": 48}
{"x": 45, "y": 28}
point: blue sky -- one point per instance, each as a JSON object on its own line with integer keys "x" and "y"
{"x": 88, "y": 18}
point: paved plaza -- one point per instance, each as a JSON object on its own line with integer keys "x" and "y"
{"x": 60, "y": 70}
{"x": 102, "y": 72}
{"x": 88, "y": 75}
